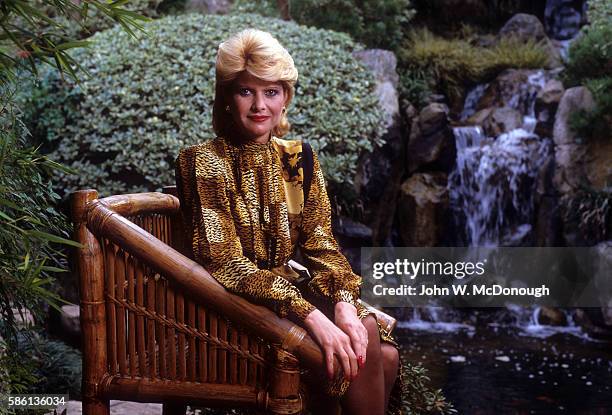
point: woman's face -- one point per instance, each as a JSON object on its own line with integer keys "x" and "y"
{"x": 256, "y": 106}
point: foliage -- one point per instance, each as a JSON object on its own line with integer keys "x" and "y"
{"x": 599, "y": 12}
{"x": 417, "y": 397}
{"x": 95, "y": 20}
{"x": 29, "y": 34}
{"x": 591, "y": 212}
{"x": 266, "y": 8}
{"x": 30, "y": 228}
{"x": 590, "y": 64}
{"x": 450, "y": 65}
{"x": 377, "y": 23}
{"x": 122, "y": 129}
{"x": 590, "y": 56}
{"x": 57, "y": 366}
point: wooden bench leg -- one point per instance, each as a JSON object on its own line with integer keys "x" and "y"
{"x": 284, "y": 396}
{"x": 171, "y": 408}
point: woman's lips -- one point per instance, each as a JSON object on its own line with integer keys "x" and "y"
{"x": 259, "y": 119}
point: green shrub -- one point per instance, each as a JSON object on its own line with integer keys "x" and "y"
{"x": 590, "y": 56}
{"x": 450, "y": 65}
{"x": 377, "y": 23}
{"x": 29, "y": 258}
{"x": 599, "y": 12}
{"x": 266, "y": 8}
{"x": 122, "y": 129}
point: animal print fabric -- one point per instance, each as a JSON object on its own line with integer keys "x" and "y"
{"x": 243, "y": 207}
{"x": 238, "y": 201}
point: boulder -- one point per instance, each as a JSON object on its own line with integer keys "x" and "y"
{"x": 546, "y": 104}
{"x": 383, "y": 64}
{"x": 422, "y": 209}
{"x": 69, "y": 320}
{"x": 602, "y": 279}
{"x": 502, "y": 120}
{"x": 526, "y": 27}
{"x": 563, "y": 18}
{"x": 570, "y": 151}
{"x": 513, "y": 88}
{"x": 551, "y": 317}
{"x": 431, "y": 142}
{"x": 374, "y": 170}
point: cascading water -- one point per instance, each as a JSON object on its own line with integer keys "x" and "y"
{"x": 493, "y": 185}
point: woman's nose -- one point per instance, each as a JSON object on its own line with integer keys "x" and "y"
{"x": 258, "y": 103}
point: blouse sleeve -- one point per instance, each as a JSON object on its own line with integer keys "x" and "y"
{"x": 331, "y": 271}
{"x": 207, "y": 217}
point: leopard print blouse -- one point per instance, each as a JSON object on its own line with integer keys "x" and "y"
{"x": 243, "y": 206}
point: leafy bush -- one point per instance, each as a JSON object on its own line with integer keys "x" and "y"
{"x": 377, "y": 23}
{"x": 122, "y": 129}
{"x": 590, "y": 56}
{"x": 590, "y": 64}
{"x": 266, "y": 8}
{"x": 450, "y": 65}
{"x": 30, "y": 225}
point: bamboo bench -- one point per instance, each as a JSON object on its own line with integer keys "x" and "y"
{"x": 157, "y": 327}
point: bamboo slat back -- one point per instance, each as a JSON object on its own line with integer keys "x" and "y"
{"x": 157, "y": 335}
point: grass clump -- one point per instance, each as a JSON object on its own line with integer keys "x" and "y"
{"x": 451, "y": 65}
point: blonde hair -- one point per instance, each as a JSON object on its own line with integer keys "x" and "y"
{"x": 261, "y": 55}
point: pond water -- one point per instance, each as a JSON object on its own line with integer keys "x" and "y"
{"x": 497, "y": 370}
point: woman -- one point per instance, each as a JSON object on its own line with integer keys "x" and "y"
{"x": 243, "y": 201}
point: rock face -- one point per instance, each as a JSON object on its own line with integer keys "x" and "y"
{"x": 512, "y": 88}
{"x": 432, "y": 143}
{"x": 547, "y": 101}
{"x": 375, "y": 170}
{"x": 422, "y": 209}
{"x": 570, "y": 153}
{"x": 526, "y": 27}
{"x": 502, "y": 120}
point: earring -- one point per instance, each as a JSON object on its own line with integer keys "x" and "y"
{"x": 227, "y": 108}
{"x": 284, "y": 109}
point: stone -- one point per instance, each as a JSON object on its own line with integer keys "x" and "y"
{"x": 526, "y": 27}
{"x": 431, "y": 141}
{"x": 69, "y": 320}
{"x": 502, "y": 120}
{"x": 513, "y": 88}
{"x": 375, "y": 169}
{"x": 546, "y": 104}
{"x": 570, "y": 152}
{"x": 422, "y": 208}
{"x": 209, "y": 6}
{"x": 479, "y": 117}
{"x": 551, "y": 317}
{"x": 563, "y": 18}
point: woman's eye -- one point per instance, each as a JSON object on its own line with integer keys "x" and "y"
{"x": 244, "y": 92}
{"x": 272, "y": 92}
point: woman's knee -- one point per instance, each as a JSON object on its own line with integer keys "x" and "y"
{"x": 390, "y": 357}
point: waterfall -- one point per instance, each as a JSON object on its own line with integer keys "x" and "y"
{"x": 493, "y": 185}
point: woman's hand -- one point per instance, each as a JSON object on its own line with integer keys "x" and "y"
{"x": 333, "y": 341}
{"x": 346, "y": 319}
